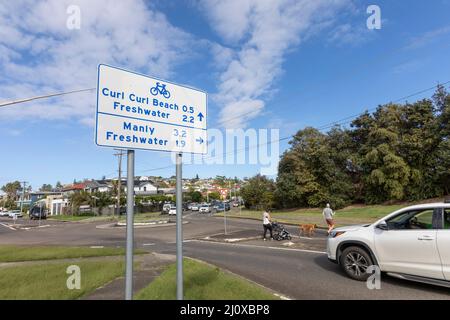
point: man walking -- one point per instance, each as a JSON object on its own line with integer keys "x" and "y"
{"x": 267, "y": 224}
{"x": 328, "y": 215}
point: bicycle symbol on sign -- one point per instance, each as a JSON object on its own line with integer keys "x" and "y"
{"x": 161, "y": 89}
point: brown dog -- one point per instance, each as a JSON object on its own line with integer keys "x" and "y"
{"x": 307, "y": 229}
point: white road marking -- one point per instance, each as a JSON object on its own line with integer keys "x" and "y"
{"x": 256, "y": 246}
{"x": 281, "y": 296}
{"x": 30, "y": 228}
{"x": 7, "y": 226}
{"x": 148, "y": 244}
{"x": 97, "y": 247}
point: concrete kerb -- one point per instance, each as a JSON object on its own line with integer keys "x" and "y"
{"x": 117, "y": 225}
{"x": 232, "y": 240}
{"x": 257, "y": 219}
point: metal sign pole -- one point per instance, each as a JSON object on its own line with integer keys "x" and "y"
{"x": 130, "y": 225}
{"x": 225, "y": 218}
{"x": 179, "y": 237}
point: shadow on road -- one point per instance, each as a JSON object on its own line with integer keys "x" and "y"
{"x": 325, "y": 264}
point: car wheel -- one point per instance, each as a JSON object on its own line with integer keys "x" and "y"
{"x": 355, "y": 261}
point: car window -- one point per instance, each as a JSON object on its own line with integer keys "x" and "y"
{"x": 417, "y": 219}
{"x": 447, "y": 219}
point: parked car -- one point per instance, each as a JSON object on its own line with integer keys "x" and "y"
{"x": 166, "y": 208}
{"x": 411, "y": 243}
{"x": 38, "y": 213}
{"x": 195, "y": 207}
{"x": 15, "y": 213}
{"x": 235, "y": 204}
{"x": 172, "y": 210}
{"x": 223, "y": 206}
{"x": 4, "y": 213}
{"x": 205, "y": 209}
{"x": 215, "y": 204}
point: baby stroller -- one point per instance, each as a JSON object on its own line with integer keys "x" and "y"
{"x": 279, "y": 232}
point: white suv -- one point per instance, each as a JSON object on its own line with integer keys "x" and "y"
{"x": 411, "y": 243}
{"x": 205, "y": 209}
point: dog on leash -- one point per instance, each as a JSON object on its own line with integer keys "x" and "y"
{"x": 308, "y": 229}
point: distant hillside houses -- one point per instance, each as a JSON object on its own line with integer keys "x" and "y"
{"x": 57, "y": 200}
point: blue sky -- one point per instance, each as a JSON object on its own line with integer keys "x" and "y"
{"x": 266, "y": 64}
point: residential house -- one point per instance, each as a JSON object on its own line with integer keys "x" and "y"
{"x": 144, "y": 187}
{"x": 98, "y": 186}
{"x": 72, "y": 188}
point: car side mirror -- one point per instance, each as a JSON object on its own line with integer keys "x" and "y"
{"x": 382, "y": 226}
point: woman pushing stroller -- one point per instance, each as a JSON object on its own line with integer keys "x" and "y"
{"x": 267, "y": 224}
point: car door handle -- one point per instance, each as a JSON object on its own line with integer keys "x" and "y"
{"x": 425, "y": 237}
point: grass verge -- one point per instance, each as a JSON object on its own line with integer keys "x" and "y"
{"x": 48, "y": 282}
{"x": 32, "y": 253}
{"x": 144, "y": 217}
{"x": 69, "y": 218}
{"x": 203, "y": 282}
{"x": 346, "y": 216}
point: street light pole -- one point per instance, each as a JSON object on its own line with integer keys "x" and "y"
{"x": 23, "y": 196}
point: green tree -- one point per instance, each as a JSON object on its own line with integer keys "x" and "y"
{"x": 314, "y": 170}
{"x": 77, "y": 199}
{"x": 258, "y": 193}
{"x": 442, "y": 152}
{"x": 12, "y": 189}
{"x": 385, "y": 173}
{"x": 195, "y": 196}
{"x": 399, "y": 152}
{"x": 100, "y": 200}
{"x": 214, "y": 196}
{"x": 46, "y": 187}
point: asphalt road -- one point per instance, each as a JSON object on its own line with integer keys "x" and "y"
{"x": 297, "y": 274}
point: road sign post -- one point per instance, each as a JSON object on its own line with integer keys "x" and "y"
{"x": 135, "y": 111}
{"x": 225, "y": 220}
{"x": 130, "y": 225}
{"x": 179, "y": 237}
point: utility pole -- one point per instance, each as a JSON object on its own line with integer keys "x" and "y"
{"x": 23, "y": 196}
{"x": 119, "y": 181}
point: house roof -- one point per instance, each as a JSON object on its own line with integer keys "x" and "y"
{"x": 97, "y": 184}
{"x": 76, "y": 186}
{"x": 143, "y": 183}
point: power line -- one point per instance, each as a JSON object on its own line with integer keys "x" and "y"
{"x": 326, "y": 126}
{"x": 8, "y": 103}
{"x": 321, "y": 128}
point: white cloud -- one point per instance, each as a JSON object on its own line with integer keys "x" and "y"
{"x": 39, "y": 54}
{"x": 409, "y": 66}
{"x": 261, "y": 33}
{"x": 428, "y": 37}
{"x": 350, "y": 35}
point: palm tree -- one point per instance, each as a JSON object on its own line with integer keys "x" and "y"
{"x": 79, "y": 198}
